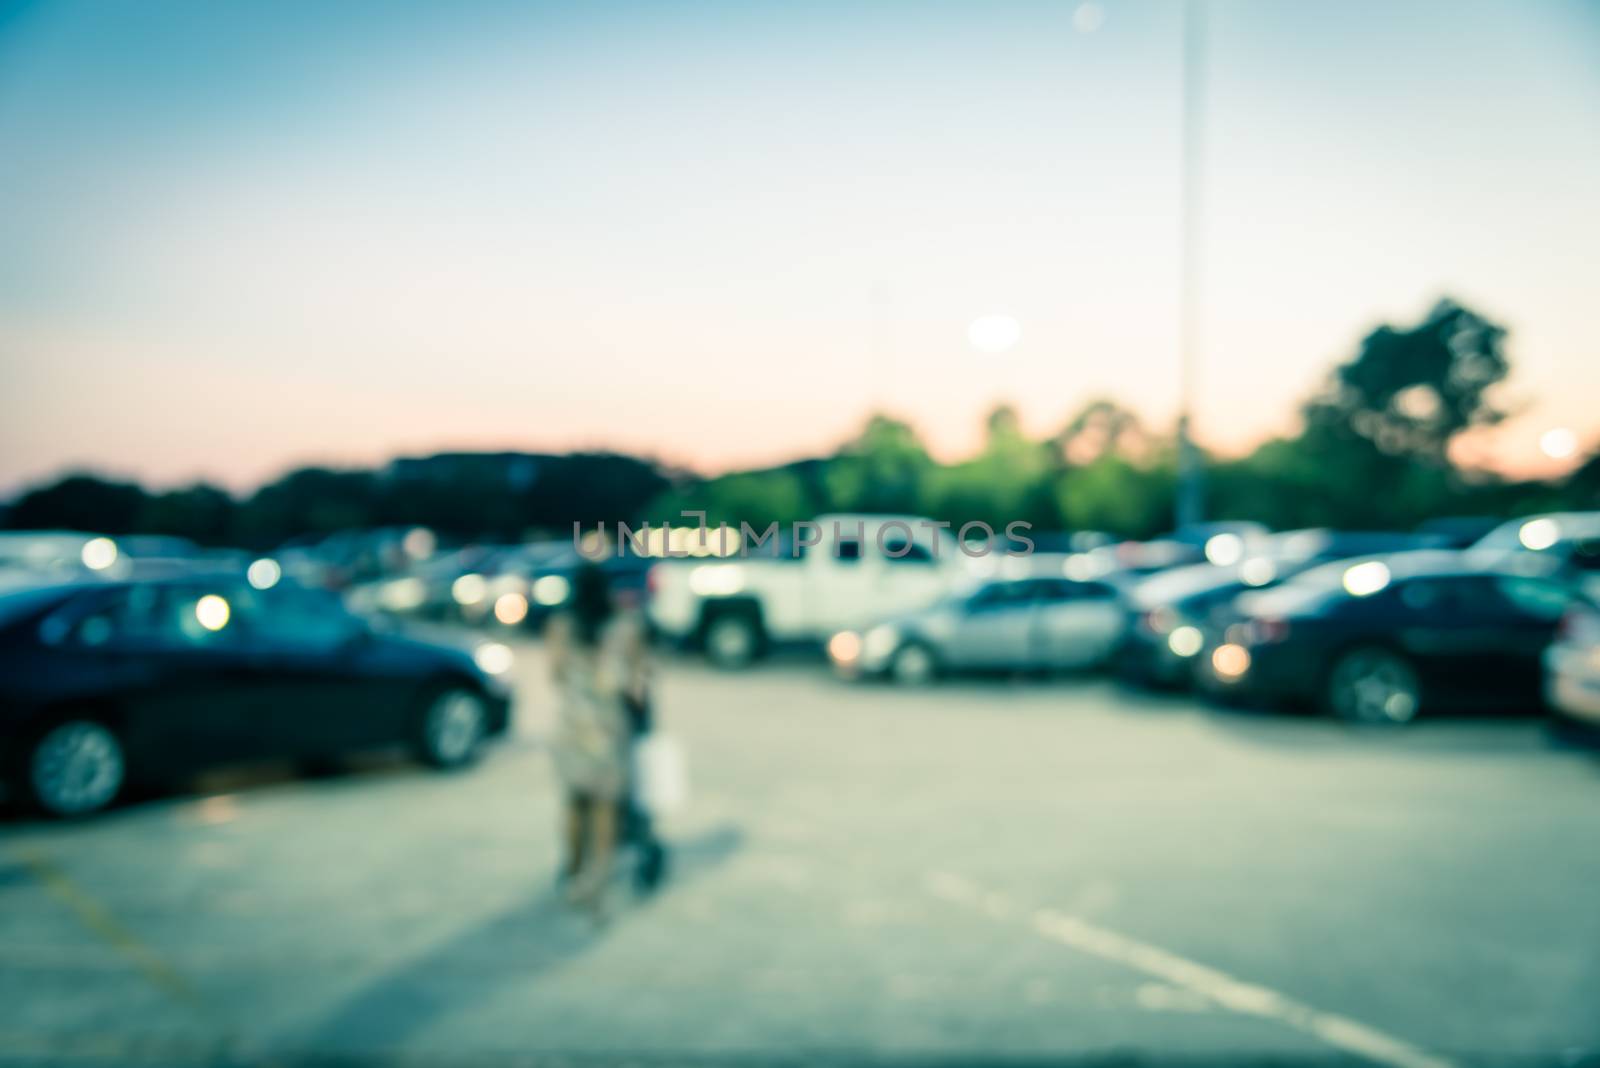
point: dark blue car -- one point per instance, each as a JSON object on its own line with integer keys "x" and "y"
{"x": 107, "y": 684}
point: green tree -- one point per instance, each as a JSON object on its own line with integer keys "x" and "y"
{"x": 1006, "y": 482}
{"x": 80, "y": 502}
{"x": 885, "y": 468}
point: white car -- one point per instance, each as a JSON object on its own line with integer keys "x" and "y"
{"x": 862, "y": 569}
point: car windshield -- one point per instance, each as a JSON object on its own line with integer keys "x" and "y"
{"x": 1170, "y": 587}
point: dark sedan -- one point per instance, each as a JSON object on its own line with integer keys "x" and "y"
{"x": 1383, "y": 639}
{"x": 1176, "y": 615}
{"x": 113, "y": 683}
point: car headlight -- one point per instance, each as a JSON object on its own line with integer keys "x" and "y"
{"x": 844, "y": 647}
{"x": 1186, "y": 640}
{"x": 493, "y": 658}
{"x": 716, "y": 580}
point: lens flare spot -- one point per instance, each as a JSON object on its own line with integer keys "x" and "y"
{"x": 99, "y": 553}
{"x": 1539, "y": 534}
{"x": 1365, "y": 579}
{"x": 212, "y": 612}
{"x": 264, "y": 573}
{"x": 844, "y": 647}
{"x": 1230, "y": 661}
{"x": 1186, "y": 641}
{"x": 511, "y": 608}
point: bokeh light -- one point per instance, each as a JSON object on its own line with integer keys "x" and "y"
{"x": 99, "y": 553}
{"x": 264, "y": 573}
{"x": 212, "y": 612}
{"x": 511, "y": 608}
{"x": 994, "y": 333}
{"x": 1558, "y": 443}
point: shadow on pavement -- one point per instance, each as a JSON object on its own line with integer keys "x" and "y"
{"x": 531, "y": 938}
{"x": 1452, "y": 734}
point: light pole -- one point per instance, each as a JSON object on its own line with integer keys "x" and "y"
{"x": 1190, "y": 507}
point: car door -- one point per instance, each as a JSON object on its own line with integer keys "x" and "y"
{"x": 837, "y": 588}
{"x": 321, "y": 693}
{"x": 173, "y": 659}
{"x": 1076, "y": 624}
{"x": 1458, "y": 630}
{"x": 908, "y": 578}
{"x": 1532, "y": 609}
{"x": 994, "y": 628}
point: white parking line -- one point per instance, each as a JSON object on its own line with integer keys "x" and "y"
{"x": 1248, "y": 999}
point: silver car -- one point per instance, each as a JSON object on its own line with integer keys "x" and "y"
{"x": 1004, "y": 625}
{"x": 1572, "y": 667}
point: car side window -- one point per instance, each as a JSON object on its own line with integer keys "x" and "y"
{"x": 901, "y": 551}
{"x": 1058, "y": 590}
{"x": 287, "y": 617}
{"x": 1459, "y": 598}
{"x": 999, "y": 595}
{"x": 126, "y": 617}
{"x": 1585, "y": 555}
{"x": 153, "y": 618}
{"x": 1430, "y": 596}
{"x": 1542, "y": 601}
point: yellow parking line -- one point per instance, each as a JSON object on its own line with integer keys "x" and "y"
{"x": 99, "y": 920}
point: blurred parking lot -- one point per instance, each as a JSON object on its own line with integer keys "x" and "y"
{"x": 994, "y": 870}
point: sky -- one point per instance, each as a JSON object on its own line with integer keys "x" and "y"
{"x": 240, "y": 237}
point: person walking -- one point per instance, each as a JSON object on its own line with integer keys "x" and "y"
{"x": 597, "y": 664}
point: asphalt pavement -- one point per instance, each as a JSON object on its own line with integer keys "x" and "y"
{"x": 1023, "y": 872}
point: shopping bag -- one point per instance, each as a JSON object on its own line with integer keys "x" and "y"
{"x": 660, "y": 773}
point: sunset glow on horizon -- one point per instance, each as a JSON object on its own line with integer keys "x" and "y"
{"x": 245, "y": 238}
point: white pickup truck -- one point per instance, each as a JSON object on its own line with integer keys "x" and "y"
{"x": 737, "y": 606}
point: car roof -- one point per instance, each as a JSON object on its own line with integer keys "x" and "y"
{"x": 1415, "y": 563}
{"x": 1572, "y": 526}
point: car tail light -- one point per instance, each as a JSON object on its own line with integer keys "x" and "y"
{"x": 652, "y": 579}
{"x": 1266, "y": 631}
{"x": 1567, "y": 629}
{"x": 1580, "y": 624}
{"x": 1159, "y": 621}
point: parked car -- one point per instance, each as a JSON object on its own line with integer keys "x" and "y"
{"x": 1176, "y": 615}
{"x": 448, "y": 586}
{"x": 1048, "y": 624}
{"x": 107, "y": 683}
{"x": 40, "y": 557}
{"x": 1561, "y": 544}
{"x": 734, "y": 608}
{"x": 1457, "y": 531}
{"x": 1165, "y": 618}
{"x": 1572, "y": 668}
{"x": 1386, "y": 638}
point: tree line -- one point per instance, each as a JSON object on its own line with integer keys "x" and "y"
{"x": 1373, "y": 451}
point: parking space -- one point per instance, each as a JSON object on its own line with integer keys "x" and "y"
{"x": 1028, "y": 869}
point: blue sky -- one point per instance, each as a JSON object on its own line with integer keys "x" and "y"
{"x": 248, "y": 235}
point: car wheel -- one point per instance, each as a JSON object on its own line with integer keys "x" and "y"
{"x": 732, "y": 641}
{"x": 453, "y": 728}
{"x": 75, "y": 767}
{"x": 1374, "y": 686}
{"x": 913, "y": 665}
